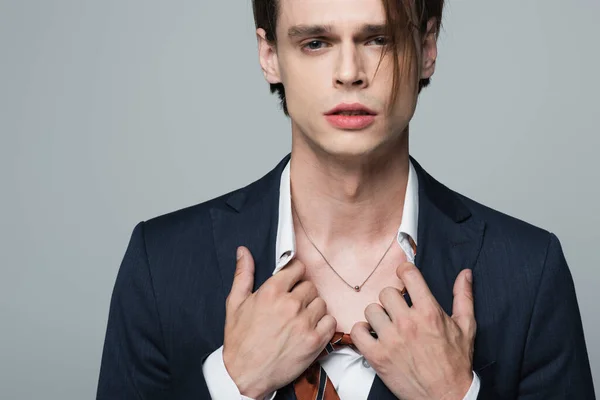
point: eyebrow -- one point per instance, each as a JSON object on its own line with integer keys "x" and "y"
{"x": 300, "y": 31}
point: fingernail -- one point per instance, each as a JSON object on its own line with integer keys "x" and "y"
{"x": 240, "y": 253}
{"x": 470, "y": 276}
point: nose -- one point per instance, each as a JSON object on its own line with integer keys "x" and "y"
{"x": 350, "y": 72}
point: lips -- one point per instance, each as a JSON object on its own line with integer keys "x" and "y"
{"x": 350, "y": 110}
{"x": 350, "y": 122}
{"x": 351, "y": 113}
{"x": 350, "y": 116}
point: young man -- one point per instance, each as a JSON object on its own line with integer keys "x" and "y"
{"x": 358, "y": 275}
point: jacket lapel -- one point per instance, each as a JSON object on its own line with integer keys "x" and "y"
{"x": 449, "y": 240}
{"x": 248, "y": 217}
{"x": 449, "y": 237}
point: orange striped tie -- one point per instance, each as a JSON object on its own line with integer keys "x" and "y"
{"x": 314, "y": 384}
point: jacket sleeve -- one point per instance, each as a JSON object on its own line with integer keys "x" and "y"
{"x": 134, "y": 361}
{"x": 134, "y": 364}
{"x": 555, "y": 361}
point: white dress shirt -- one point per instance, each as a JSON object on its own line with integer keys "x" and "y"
{"x": 348, "y": 370}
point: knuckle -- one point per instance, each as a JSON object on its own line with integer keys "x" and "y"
{"x": 320, "y": 302}
{"x": 409, "y": 272}
{"x": 432, "y": 314}
{"x": 408, "y": 326}
{"x": 238, "y": 271}
{"x": 314, "y": 340}
{"x": 378, "y": 359}
{"x": 320, "y": 306}
{"x": 310, "y": 285}
{"x": 269, "y": 290}
{"x": 354, "y": 330}
{"x": 469, "y": 295}
{"x": 301, "y": 324}
{"x": 371, "y": 308}
{"x": 292, "y": 305}
{"x": 295, "y": 324}
{"x": 428, "y": 314}
{"x": 332, "y": 323}
{"x": 395, "y": 340}
{"x": 296, "y": 263}
{"x": 311, "y": 289}
{"x": 386, "y": 293}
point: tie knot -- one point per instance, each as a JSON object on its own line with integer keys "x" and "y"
{"x": 311, "y": 376}
{"x": 339, "y": 340}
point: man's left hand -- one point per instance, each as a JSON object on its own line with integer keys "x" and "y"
{"x": 420, "y": 352}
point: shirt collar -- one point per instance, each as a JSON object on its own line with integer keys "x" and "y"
{"x": 285, "y": 245}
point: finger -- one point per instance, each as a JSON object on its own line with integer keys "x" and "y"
{"x": 306, "y": 292}
{"x": 315, "y": 311}
{"x": 393, "y": 303}
{"x": 377, "y": 317}
{"x": 415, "y": 285}
{"x": 287, "y": 278}
{"x": 243, "y": 280}
{"x": 463, "y": 309}
{"x": 326, "y": 327}
{"x": 362, "y": 338}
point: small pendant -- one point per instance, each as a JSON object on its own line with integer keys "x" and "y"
{"x": 357, "y": 288}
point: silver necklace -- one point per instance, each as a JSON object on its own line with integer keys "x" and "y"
{"x": 357, "y": 287}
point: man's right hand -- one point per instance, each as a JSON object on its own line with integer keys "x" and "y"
{"x": 274, "y": 334}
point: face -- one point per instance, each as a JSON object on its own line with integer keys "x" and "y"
{"x": 322, "y": 68}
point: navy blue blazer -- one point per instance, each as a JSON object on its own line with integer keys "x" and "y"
{"x": 167, "y": 310}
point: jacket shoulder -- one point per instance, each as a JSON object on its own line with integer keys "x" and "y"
{"x": 515, "y": 233}
{"x": 197, "y": 217}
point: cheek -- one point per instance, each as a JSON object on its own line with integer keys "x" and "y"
{"x": 305, "y": 89}
{"x": 407, "y": 94}
{"x": 404, "y": 110}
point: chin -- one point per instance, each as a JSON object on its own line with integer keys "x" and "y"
{"x": 354, "y": 146}
{"x": 350, "y": 145}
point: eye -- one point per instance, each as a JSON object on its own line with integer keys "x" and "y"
{"x": 379, "y": 41}
{"x": 313, "y": 45}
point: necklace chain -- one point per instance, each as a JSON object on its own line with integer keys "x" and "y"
{"x": 356, "y": 288}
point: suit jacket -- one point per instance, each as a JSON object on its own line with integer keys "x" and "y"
{"x": 167, "y": 311}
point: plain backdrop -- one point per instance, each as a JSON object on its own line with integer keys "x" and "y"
{"x": 116, "y": 111}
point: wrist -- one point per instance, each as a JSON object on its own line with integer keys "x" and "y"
{"x": 250, "y": 387}
{"x": 247, "y": 384}
{"x": 459, "y": 389}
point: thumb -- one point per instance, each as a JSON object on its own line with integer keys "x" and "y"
{"x": 463, "y": 309}
{"x": 243, "y": 280}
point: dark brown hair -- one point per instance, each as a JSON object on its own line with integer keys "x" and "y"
{"x": 402, "y": 18}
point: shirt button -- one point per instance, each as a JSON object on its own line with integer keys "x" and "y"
{"x": 365, "y": 363}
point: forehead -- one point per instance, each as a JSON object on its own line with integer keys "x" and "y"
{"x": 337, "y": 13}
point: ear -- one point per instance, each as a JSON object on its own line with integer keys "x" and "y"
{"x": 429, "y": 49}
{"x": 267, "y": 54}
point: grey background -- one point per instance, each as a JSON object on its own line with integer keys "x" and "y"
{"x": 115, "y": 111}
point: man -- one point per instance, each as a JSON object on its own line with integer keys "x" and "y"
{"x": 347, "y": 271}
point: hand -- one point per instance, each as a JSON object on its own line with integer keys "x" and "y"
{"x": 274, "y": 334}
{"x": 420, "y": 352}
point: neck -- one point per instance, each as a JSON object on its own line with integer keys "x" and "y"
{"x": 358, "y": 199}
